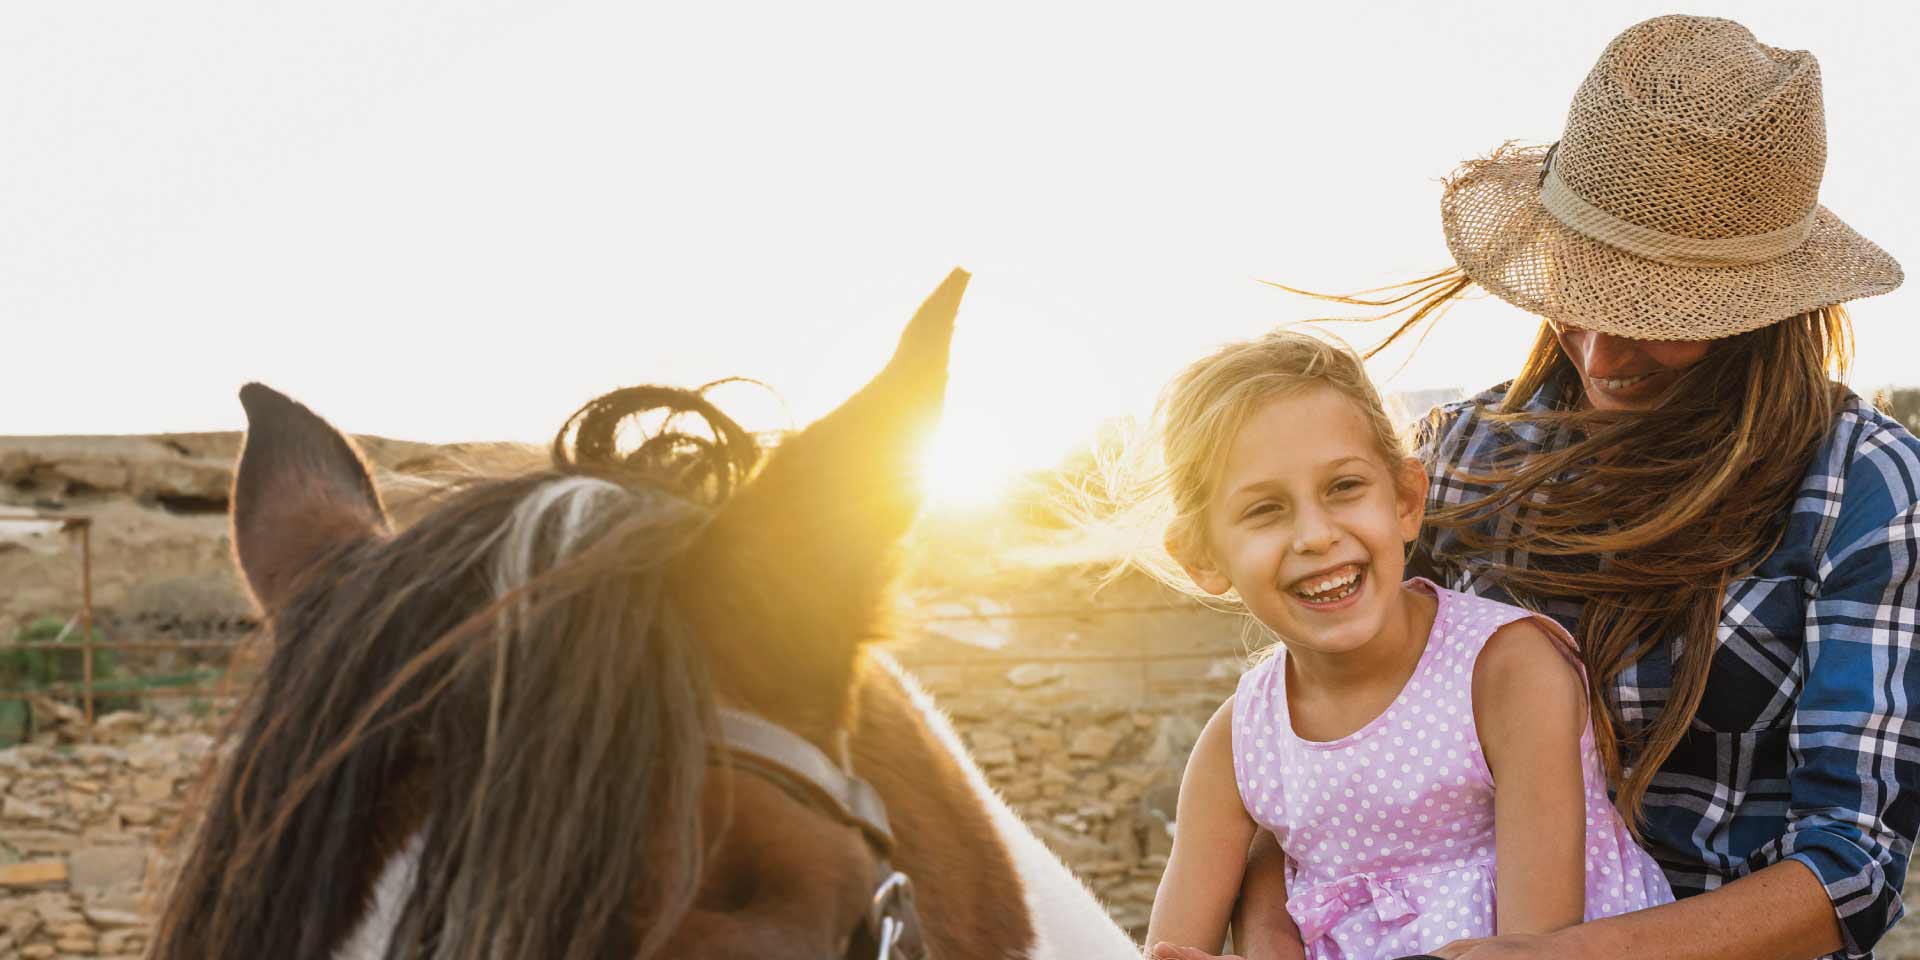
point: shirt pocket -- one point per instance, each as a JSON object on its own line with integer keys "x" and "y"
{"x": 1756, "y": 674}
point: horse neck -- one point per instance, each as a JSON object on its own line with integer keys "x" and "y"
{"x": 987, "y": 886}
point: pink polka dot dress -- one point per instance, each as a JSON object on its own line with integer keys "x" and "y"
{"x": 1389, "y": 831}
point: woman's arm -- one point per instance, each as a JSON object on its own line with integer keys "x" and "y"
{"x": 1853, "y": 810}
{"x": 1211, "y": 832}
{"x": 1530, "y": 706}
{"x": 1779, "y": 913}
{"x": 1262, "y": 927}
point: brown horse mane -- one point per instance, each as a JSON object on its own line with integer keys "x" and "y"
{"x": 565, "y": 713}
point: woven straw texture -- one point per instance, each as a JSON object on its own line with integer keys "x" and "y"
{"x": 1682, "y": 203}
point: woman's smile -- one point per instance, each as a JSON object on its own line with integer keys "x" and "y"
{"x": 1625, "y": 374}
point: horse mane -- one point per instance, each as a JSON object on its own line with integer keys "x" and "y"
{"x": 520, "y": 642}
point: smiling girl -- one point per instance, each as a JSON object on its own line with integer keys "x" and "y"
{"x": 1371, "y": 742}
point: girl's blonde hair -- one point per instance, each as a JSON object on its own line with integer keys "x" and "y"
{"x": 1203, "y": 408}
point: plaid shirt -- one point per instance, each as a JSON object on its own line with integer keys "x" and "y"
{"x": 1807, "y": 742}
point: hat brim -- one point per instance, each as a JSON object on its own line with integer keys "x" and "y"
{"x": 1504, "y": 240}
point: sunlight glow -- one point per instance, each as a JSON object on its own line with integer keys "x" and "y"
{"x": 968, "y": 462}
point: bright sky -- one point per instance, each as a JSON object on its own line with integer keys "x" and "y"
{"x": 454, "y": 219}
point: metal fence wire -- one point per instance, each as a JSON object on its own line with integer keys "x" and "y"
{"x": 89, "y": 689}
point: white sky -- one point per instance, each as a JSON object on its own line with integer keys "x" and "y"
{"x": 453, "y": 219}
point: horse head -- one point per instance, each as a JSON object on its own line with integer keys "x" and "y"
{"x": 616, "y": 707}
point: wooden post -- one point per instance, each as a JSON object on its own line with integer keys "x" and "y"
{"x": 86, "y": 620}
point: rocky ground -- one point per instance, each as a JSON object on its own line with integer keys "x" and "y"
{"x": 80, "y": 827}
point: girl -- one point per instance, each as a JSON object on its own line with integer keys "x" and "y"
{"x": 1370, "y": 743}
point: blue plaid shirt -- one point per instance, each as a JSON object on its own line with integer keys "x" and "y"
{"x": 1807, "y": 742}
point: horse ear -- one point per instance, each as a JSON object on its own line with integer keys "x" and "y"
{"x": 808, "y": 546}
{"x": 300, "y": 491}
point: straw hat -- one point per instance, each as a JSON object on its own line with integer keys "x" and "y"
{"x": 1682, "y": 202}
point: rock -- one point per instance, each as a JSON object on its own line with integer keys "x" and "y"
{"x": 98, "y": 868}
{"x": 1161, "y": 800}
{"x": 62, "y": 713}
{"x": 33, "y": 873}
{"x": 122, "y": 941}
{"x": 101, "y": 475}
{"x": 1074, "y": 848}
{"x": 96, "y": 755}
{"x": 152, "y": 789}
{"x": 138, "y": 814}
{"x": 57, "y": 912}
{"x": 1047, "y": 742}
{"x": 152, "y": 756}
{"x": 1096, "y": 743}
{"x": 41, "y": 841}
{"x": 114, "y": 918}
{"x": 1159, "y": 839}
{"x": 119, "y": 725}
{"x": 1123, "y": 839}
{"x": 996, "y": 758}
{"x": 39, "y": 951}
{"x": 193, "y": 744}
{"x": 988, "y": 741}
{"x": 176, "y": 477}
{"x": 76, "y": 945}
{"x": 1028, "y": 675}
{"x": 23, "y": 924}
{"x": 14, "y": 808}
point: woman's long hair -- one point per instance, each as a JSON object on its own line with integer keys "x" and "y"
{"x": 1673, "y": 503}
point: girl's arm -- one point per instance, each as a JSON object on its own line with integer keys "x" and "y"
{"x": 1211, "y": 833}
{"x": 1531, "y": 708}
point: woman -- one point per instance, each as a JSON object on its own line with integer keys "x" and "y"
{"x": 1675, "y": 476}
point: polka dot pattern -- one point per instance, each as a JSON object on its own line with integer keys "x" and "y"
{"x": 1389, "y": 831}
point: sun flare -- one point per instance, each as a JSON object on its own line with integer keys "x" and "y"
{"x": 968, "y": 462}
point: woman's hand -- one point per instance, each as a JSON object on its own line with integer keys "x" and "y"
{"x": 1169, "y": 951}
{"x": 1513, "y": 946}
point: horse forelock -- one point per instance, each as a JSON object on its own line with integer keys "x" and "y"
{"x": 547, "y": 526}
{"x": 516, "y": 643}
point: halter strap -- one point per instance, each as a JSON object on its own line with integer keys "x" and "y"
{"x": 790, "y": 759}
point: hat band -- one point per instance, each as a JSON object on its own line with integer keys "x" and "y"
{"x": 1596, "y": 224}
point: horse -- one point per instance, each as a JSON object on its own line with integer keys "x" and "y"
{"x": 623, "y": 706}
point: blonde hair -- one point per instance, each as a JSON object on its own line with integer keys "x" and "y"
{"x": 1203, "y": 408}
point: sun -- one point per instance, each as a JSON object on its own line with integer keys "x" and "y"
{"x": 968, "y": 463}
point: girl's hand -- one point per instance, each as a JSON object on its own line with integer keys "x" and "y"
{"x": 1513, "y": 946}
{"x": 1169, "y": 951}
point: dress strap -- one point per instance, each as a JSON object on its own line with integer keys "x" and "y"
{"x": 1490, "y": 615}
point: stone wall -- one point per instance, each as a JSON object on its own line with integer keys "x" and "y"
{"x": 1084, "y": 722}
{"x": 80, "y": 828}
